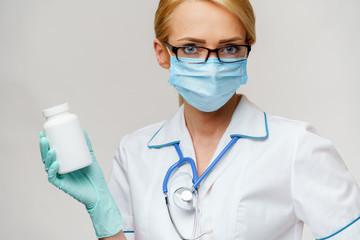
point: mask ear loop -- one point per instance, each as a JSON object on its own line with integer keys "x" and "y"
{"x": 181, "y": 98}
{"x": 168, "y": 50}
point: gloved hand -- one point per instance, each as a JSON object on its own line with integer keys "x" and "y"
{"x": 88, "y": 186}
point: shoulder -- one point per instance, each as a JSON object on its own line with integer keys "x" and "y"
{"x": 294, "y": 134}
{"x": 140, "y": 137}
{"x": 285, "y": 126}
{"x": 299, "y": 135}
{"x": 248, "y": 121}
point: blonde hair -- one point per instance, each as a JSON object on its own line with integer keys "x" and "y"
{"x": 240, "y": 8}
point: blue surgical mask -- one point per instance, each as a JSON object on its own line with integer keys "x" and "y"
{"x": 207, "y": 86}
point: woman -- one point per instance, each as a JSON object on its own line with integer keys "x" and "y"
{"x": 257, "y": 176}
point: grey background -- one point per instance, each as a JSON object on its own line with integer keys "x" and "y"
{"x": 98, "y": 56}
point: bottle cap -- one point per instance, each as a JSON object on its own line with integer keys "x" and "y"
{"x": 49, "y": 112}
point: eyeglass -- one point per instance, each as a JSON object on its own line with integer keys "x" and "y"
{"x": 195, "y": 55}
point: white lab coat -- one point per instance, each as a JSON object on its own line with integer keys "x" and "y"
{"x": 277, "y": 176}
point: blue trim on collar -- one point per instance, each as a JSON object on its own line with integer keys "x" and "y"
{"x": 340, "y": 230}
{"x": 251, "y": 137}
{"x": 163, "y": 145}
{"x": 232, "y": 135}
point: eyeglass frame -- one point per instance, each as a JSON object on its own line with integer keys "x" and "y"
{"x": 175, "y": 49}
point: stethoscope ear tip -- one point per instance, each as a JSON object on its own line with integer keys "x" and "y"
{"x": 209, "y": 231}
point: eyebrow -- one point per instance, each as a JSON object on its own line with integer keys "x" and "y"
{"x": 192, "y": 40}
{"x": 196, "y": 40}
{"x": 230, "y": 40}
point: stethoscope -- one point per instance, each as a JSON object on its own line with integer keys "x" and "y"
{"x": 184, "y": 196}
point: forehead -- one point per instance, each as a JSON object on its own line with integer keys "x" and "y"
{"x": 204, "y": 20}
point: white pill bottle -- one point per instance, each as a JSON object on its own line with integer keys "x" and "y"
{"x": 67, "y": 138}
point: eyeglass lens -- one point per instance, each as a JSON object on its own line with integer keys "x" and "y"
{"x": 233, "y": 53}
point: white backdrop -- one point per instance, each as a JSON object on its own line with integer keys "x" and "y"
{"x": 98, "y": 56}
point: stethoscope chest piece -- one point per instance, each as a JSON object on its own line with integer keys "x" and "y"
{"x": 185, "y": 199}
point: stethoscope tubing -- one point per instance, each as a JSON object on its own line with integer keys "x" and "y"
{"x": 212, "y": 165}
{"x": 175, "y": 166}
{"x": 196, "y": 179}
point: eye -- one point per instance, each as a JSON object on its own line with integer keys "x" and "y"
{"x": 189, "y": 49}
{"x": 231, "y": 49}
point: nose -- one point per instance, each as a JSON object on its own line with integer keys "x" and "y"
{"x": 212, "y": 54}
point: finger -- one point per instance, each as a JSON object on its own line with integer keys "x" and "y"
{"x": 88, "y": 141}
{"x": 41, "y": 134}
{"x": 44, "y": 148}
{"x": 50, "y": 158}
{"x": 52, "y": 174}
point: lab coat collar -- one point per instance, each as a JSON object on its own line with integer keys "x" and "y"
{"x": 248, "y": 121}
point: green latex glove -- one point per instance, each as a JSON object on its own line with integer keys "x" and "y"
{"x": 88, "y": 186}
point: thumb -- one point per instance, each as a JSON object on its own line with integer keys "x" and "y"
{"x": 88, "y": 141}
{"x": 89, "y": 146}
